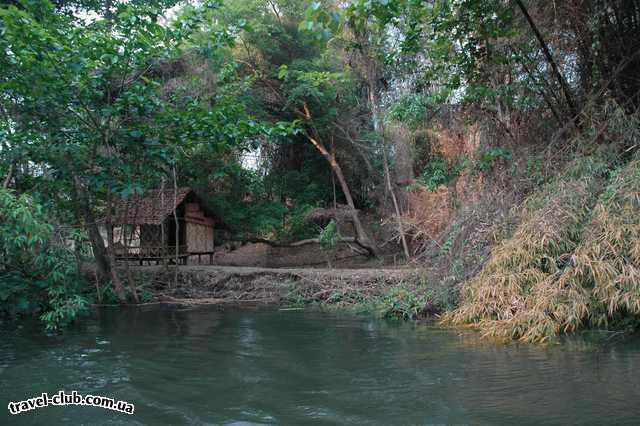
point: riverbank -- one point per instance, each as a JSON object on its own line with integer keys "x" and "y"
{"x": 385, "y": 292}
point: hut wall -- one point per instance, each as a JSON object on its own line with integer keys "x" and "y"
{"x": 199, "y": 237}
{"x": 199, "y": 229}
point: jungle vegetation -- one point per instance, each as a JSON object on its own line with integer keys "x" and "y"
{"x": 271, "y": 108}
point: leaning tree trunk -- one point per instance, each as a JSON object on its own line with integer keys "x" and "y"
{"x": 125, "y": 242}
{"x": 115, "y": 278}
{"x": 380, "y": 128}
{"x": 7, "y": 179}
{"x": 394, "y": 198}
{"x": 362, "y": 237}
{"x": 97, "y": 243}
{"x": 547, "y": 53}
{"x": 103, "y": 263}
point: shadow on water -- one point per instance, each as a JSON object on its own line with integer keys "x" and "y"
{"x": 212, "y": 366}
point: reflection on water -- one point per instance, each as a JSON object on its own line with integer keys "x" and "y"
{"x": 206, "y": 366}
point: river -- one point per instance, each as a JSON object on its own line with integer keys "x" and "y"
{"x": 212, "y": 366}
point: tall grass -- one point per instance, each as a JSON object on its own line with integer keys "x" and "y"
{"x": 574, "y": 260}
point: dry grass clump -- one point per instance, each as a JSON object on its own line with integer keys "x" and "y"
{"x": 567, "y": 266}
{"x": 551, "y": 223}
{"x": 608, "y": 260}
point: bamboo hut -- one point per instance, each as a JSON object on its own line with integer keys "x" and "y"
{"x": 144, "y": 228}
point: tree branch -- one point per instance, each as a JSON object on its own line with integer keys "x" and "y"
{"x": 552, "y": 62}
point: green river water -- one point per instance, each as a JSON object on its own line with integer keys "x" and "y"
{"x": 209, "y": 366}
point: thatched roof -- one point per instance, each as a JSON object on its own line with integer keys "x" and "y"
{"x": 150, "y": 209}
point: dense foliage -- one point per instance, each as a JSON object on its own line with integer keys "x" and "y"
{"x": 271, "y": 109}
{"x": 37, "y": 275}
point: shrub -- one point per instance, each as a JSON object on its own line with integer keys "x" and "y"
{"x": 488, "y": 158}
{"x": 329, "y": 235}
{"x": 36, "y": 275}
{"x": 410, "y": 109}
{"x": 438, "y": 172}
{"x": 296, "y": 226}
{"x": 401, "y": 302}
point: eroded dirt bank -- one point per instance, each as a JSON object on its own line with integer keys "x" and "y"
{"x": 286, "y": 286}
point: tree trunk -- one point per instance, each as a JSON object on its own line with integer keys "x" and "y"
{"x": 541, "y": 91}
{"x": 396, "y": 206}
{"x": 362, "y": 237}
{"x": 7, "y": 179}
{"x": 378, "y": 124}
{"x": 547, "y": 53}
{"x": 97, "y": 243}
{"x": 115, "y": 278}
{"x": 103, "y": 263}
{"x": 175, "y": 218}
{"x": 125, "y": 242}
{"x": 163, "y": 238}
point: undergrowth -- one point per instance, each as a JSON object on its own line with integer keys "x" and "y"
{"x": 573, "y": 260}
{"x": 439, "y": 172}
{"x": 409, "y": 299}
{"x": 37, "y": 272}
{"x": 398, "y": 302}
